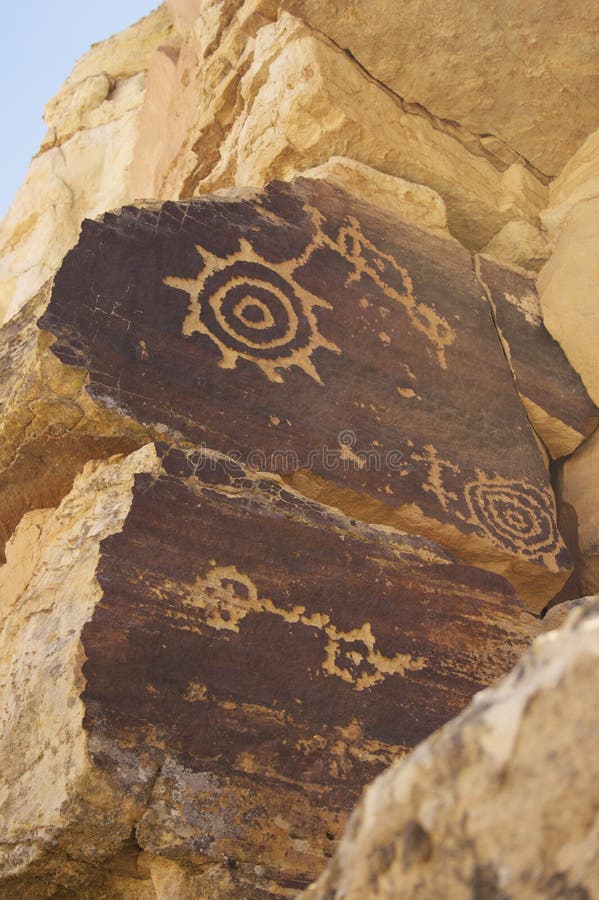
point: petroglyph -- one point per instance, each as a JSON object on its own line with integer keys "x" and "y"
{"x": 225, "y": 597}
{"x": 435, "y": 483}
{"x": 528, "y": 305}
{"x": 515, "y": 514}
{"x": 255, "y": 309}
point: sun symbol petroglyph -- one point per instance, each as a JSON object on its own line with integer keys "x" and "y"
{"x": 225, "y": 596}
{"x": 255, "y": 309}
{"x": 515, "y": 514}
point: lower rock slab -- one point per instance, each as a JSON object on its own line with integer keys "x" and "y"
{"x": 204, "y": 662}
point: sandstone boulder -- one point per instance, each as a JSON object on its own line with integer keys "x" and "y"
{"x": 519, "y": 243}
{"x": 522, "y": 75}
{"x": 569, "y": 292}
{"x": 569, "y": 282}
{"x": 579, "y": 494}
{"x": 502, "y": 802}
{"x": 412, "y": 202}
{"x": 319, "y": 338}
{"x": 215, "y": 667}
{"x": 578, "y": 181}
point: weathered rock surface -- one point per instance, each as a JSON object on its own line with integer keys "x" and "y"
{"x": 502, "y": 802}
{"x": 519, "y": 243}
{"x": 411, "y": 202}
{"x": 82, "y": 168}
{"x": 522, "y": 73}
{"x": 578, "y": 181}
{"x": 272, "y": 99}
{"x": 51, "y": 794}
{"x": 215, "y": 666}
{"x": 317, "y": 337}
{"x": 49, "y": 426}
{"x": 332, "y": 483}
{"x": 557, "y": 615}
{"x": 558, "y": 406}
{"x": 569, "y": 282}
{"x": 579, "y": 493}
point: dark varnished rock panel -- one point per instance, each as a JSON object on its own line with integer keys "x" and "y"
{"x": 279, "y": 655}
{"x": 344, "y": 348}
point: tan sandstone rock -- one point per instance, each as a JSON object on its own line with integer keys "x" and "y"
{"x": 50, "y": 794}
{"x": 519, "y": 243}
{"x": 411, "y": 202}
{"x": 82, "y": 168}
{"x": 578, "y": 181}
{"x": 272, "y": 97}
{"x": 522, "y": 73}
{"x": 569, "y": 292}
{"x": 579, "y": 485}
{"x": 502, "y": 802}
{"x": 557, "y": 615}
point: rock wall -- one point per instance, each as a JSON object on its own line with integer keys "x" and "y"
{"x": 298, "y": 406}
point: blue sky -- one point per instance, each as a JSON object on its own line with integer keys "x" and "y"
{"x": 42, "y": 40}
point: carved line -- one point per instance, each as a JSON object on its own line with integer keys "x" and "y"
{"x": 226, "y": 597}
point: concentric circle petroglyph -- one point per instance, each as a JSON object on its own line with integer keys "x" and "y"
{"x": 254, "y": 310}
{"x": 515, "y": 515}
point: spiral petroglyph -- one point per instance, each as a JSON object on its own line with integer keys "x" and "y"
{"x": 515, "y": 515}
{"x": 255, "y": 310}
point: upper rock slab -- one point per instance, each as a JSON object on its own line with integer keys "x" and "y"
{"x": 314, "y": 336}
{"x": 520, "y": 75}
